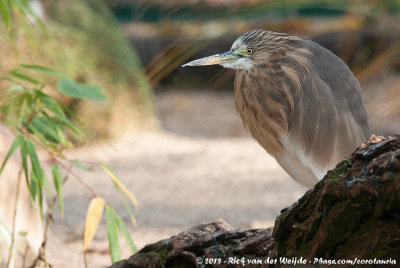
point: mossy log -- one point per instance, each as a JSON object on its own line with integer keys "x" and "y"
{"x": 354, "y": 212}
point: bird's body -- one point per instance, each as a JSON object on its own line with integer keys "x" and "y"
{"x": 297, "y": 99}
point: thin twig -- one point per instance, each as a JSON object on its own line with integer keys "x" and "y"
{"x": 10, "y": 253}
{"x": 77, "y": 177}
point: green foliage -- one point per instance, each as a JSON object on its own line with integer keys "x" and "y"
{"x": 40, "y": 69}
{"x": 40, "y": 121}
{"x": 15, "y": 13}
{"x": 124, "y": 229}
{"x": 5, "y": 13}
{"x": 116, "y": 224}
{"x": 103, "y": 41}
{"x": 77, "y": 90}
{"x": 113, "y": 234}
{"x": 58, "y": 185}
{"x": 92, "y": 50}
{"x": 31, "y": 108}
{"x": 17, "y": 142}
{"x": 34, "y": 111}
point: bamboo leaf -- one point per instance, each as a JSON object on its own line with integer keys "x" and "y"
{"x": 5, "y": 13}
{"x": 17, "y": 142}
{"x": 74, "y": 89}
{"x": 20, "y": 75}
{"x": 61, "y": 135}
{"x": 125, "y": 232}
{"x": 22, "y": 233}
{"x": 46, "y": 127}
{"x": 14, "y": 89}
{"x": 24, "y": 7}
{"x": 126, "y": 205}
{"x": 58, "y": 111}
{"x": 58, "y": 185}
{"x": 79, "y": 164}
{"x": 36, "y": 167}
{"x": 41, "y": 69}
{"x": 33, "y": 187}
{"x": 38, "y": 134}
{"x": 113, "y": 235}
{"x": 7, "y": 79}
{"x": 24, "y": 156}
{"x": 118, "y": 183}
{"x": 93, "y": 217}
{"x": 40, "y": 200}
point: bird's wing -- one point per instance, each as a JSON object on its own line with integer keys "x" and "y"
{"x": 329, "y": 119}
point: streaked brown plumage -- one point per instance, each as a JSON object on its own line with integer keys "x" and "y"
{"x": 297, "y": 99}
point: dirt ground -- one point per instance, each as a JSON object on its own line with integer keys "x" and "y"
{"x": 201, "y": 167}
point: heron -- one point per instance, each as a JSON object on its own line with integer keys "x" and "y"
{"x": 300, "y": 101}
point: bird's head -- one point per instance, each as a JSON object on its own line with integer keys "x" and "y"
{"x": 249, "y": 50}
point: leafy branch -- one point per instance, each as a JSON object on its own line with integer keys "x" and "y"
{"x": 30, "y": 108}
{"x": 41, "y": 122}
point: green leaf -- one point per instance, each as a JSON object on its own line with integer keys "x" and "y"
{"x": 33, "y": 187}
{"x": 14, "y": 89}
{"x": 41, "y": 69}
{"x": 24, "y": 7}
{"x": 113, "y": 235}
{"x": 38, "y": 134}
{"x": 58, "y": 184}
{"x": 20, "y": 75}
{"x": 22, "y": 233}
{"x": 24, "y": 156}
{"x": 58, "y": 111}
{"x": 40, "y": 200}
{"x": 61, "y": 134}
{"x": 36, "y": 167}
{"x": 5, "y": 13}
{"x": 77, "y": 90}
{"x": 47, "y": 128}
{"x": 125, "y": 232}
{"x": 126, "y": 205}
{"x": 81, "y": 166}
{"x": 17, "y": 142}
{"x": 73, "y": 128}
{"x": 7, "y": 79}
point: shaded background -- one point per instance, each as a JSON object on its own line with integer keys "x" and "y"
{"x": 177, "y": 142}
{"x": 364, "y": 34}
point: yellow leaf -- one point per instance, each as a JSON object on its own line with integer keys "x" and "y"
{"x": 119, "y": 184}
{"x": 93, "y": 217}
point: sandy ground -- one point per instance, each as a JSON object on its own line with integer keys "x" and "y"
{"x": 200, "y": 168}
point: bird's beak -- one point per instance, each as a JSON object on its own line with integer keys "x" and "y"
{"x": 226, "y": 57}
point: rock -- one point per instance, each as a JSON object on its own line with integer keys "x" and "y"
{"x": 354, "y": 212}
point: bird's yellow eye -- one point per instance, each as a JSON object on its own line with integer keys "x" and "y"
{"x": 249, "y": 51}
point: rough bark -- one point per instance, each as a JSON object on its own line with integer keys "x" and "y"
{"x": 354, "y": 212}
